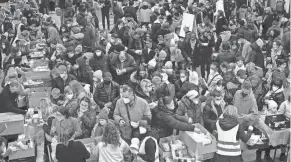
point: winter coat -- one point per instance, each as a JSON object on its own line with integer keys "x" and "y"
{"x": 89, "y": 37}
{"x": 59, "y": 83}
{"x": 99, "y": 63}
{"x": 245, "y": 105}
{"x": 151, "y": 98}
{"x": 72, "y": 106}
{"x": 278, "y": 96}
{"x": 167, "y": 121}
{"x": 74, "y": 152}
{"x": 101, "y": 97}
{"x": 221, "y": 22}
{"x": 134, "y": 81}
{"x": 267, "y": 23}
{"x": 138, "y": 111}
{"x": 88, "y": 121}
{"x": 8, "y": 101}
{"x": 211, "y": 113}
{"x": 53, "y": 35}
{"x": 144, "y": 15}
{"x": 187, "y": 109}
{"x": 242, "y": 13}
{"x": 178, "y": 85}
{"x": 225, "y": 56}
{"x": 256, "y": 56}
{"x": 155, "y": 27}
{"x": 128, "y": 64}
{"x": 286, "y": 39}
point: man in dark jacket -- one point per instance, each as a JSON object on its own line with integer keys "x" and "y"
{"x": 63, "y": 79}
{"x": 106, "y": 92}
{"x": 8, "y": 98}
{"x": 122, "y": 66}
{"x": 256, "y": 55}
{"x": 212, "y": 110}
{"x": 130, "y": 10}
{"x": 99, "y": 61}
{"x": 155, "y": 27}
{"x": 105, "y": 13}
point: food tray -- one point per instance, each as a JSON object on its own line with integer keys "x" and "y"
{"x": 277, "y": 122}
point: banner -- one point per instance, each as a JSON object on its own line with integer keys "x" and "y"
{"x": 188, "y": 21}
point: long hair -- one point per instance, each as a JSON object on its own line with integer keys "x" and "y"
{"x": 66, "y": 135}
{"x": 47, "y": 108}
{"x": 76, "y": 87}
{"x": 86, "y": 99}
{"x": 111, "y": 135}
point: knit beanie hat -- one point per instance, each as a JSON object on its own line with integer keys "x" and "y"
{"x": 78, "y": 49}
{"x": 152, "y": 63}
{"x": 107, "y": 75}
{"x": 168, "y": 65}
{"x": 103, "y": 115}
{"x": 193, "y": 77}
{"x": 56, "y": 92}
{"x": 67, "y": 89}
{"x": 162, "y": 54}
{"x": 98, "y": 74}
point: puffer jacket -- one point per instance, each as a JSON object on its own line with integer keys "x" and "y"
{"x": 187, "y": 109}
{"x": 100, "y": 63}
{"x": 101, "y": 97}
{"x": 167, "y": 121}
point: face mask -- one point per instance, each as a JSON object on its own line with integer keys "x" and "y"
{"x": 171, "y": 106}
{"x": 70, "y": 96}
{"x": 240, "y": 80}
{"x": 142, "y": 130}
{"x": 63, "y": 76}
{"x": 63, "y": 30}
{"x": 126, "y": 100}
{"x": 98, "y": 54}
{"x": 65, "y": 40}
{"x": 219, "y": 88}
{"x": 70, "y": 55}
{"x": 217, "y": 102}
{"x": 107, "y": 82}
{"x": 165, "y": 78}
{"x": 183, "y": 79}
{"x": 195, "y": 101}
{"x": 102, "y": 122}
{"x": 275, "y": 88}
{"x": 122, "y": 60}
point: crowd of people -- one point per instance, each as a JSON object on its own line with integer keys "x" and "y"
{"x": 140, "y": 81}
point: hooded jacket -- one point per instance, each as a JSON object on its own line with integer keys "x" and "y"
{"x": 211, "y": 113}
{"x": 245, "y": 105}
{"x": 187, "y": 109}
{"x": 100, "y": 63}
{"x": 167, "y": 121}
{"x": 8, "y": 102}
{"x": 227, "y": 123}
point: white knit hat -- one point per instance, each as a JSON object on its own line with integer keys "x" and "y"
{"x": 193, "y": 77}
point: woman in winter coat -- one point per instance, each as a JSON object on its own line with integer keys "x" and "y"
{"x": 145, "y": 13}
{"x": 83, "y": 72}
{"x": 71, "y": 102}
{"x": 86, "y": 117}
{"x": 276, "y": 92}
{"x": 229, "y": 131}
{"x": 267, "y": 21}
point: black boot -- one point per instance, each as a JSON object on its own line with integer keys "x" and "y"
{"x": 258, "y": 156}
{"x": 282, "y": 157}
{"x": 267, "y": 155}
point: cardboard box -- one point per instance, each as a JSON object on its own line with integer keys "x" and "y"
{"x": 14, "y": 122}
{"x": 201, "y": 157}
{"x": 27, "y": 155}
{"x": 198, "y": 148}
